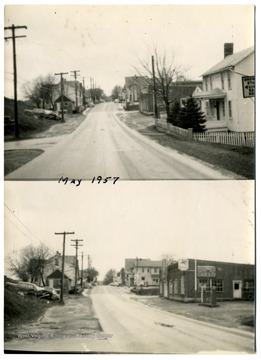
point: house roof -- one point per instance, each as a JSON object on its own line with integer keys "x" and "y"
{"x": 230, "y": 60}
{"x": 57, "y": 274}
{"x": 141, "y": 81}
{"x": 130, "y": 263}
{"x": 65, "y": 98}
{"x": 212, "y": 94}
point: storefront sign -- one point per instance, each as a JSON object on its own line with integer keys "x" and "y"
{"x": 248, "y": 83}
{"x": 183, "y": 264}
{"x": 206, "y": 271}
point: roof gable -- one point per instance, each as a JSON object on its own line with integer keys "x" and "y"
{"x": 57, "y": 274}
{"x": 230, "y": 61}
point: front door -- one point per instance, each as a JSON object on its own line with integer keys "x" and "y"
{"x": 237, "y": 289}
{"x": 218, "y": 112}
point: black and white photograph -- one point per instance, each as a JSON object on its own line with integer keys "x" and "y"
{"x": 152, "y": 269}
{"x": 129, "y": 178}
{"x": 136, "y": 92}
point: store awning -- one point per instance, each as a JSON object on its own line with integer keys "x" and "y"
{"x": 213, "y": 94}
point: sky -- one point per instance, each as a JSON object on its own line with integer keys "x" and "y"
{"x": 105, "y": 42}
{"x": 212, "y": 220}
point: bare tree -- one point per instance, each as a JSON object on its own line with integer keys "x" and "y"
{"x": 166, "y": 73}
{"x": 116, "y": 91}
{"x": 30, "y": 263}
{"x": 40, "y": 91}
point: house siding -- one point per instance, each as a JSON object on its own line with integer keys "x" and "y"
{"x": 242, "y": 119}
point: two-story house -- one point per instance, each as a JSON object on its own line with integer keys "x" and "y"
{"x": 73, "y": 96}
{"x": 53, "y": 272}
{"x": 223, "y": 100}
{"x": 132, "y": 89}
{"x": 144, "y": 272}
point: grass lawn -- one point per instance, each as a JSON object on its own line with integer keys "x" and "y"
{"x": 237, "y": 159}
{"x": 13, "y": 159}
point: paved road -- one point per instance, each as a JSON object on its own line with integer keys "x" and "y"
{"x": 103, "y": 146}
{"x": 135, "y": 328}
{"x": 128, "y": 327}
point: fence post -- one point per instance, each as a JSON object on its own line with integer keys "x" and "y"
{"x": 190, "y": 134}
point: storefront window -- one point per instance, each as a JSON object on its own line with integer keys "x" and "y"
{"x": 182, "y": 285}
{"x": 176, "y": 290}
{"x": 249, "y": 286}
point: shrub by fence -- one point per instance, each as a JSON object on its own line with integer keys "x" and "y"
{"x": 228, "y": 138}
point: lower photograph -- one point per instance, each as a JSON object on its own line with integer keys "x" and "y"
{"x": 129, "y": 268}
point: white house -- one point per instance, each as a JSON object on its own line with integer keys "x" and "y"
{"x": 142, "y": 272}
{"x": 222, "y": 99}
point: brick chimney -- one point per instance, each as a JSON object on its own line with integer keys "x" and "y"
{"x": 228, "y": 49}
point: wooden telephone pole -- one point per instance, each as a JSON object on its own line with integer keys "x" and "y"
{"x": 64, "y": 235}
{"x": 61, "y": 74}
{"x": 76, "y": 88}
{"x": 13, "y": 37}
{"x": 76, "y": 261}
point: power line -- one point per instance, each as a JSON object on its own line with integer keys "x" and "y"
{"x": 22, "y": 223}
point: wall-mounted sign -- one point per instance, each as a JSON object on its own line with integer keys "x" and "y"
{"x": 206, "y": 271}
{"x": 248, "y": 84}
{"x": 183, "y": 264}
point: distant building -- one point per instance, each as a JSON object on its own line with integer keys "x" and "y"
{"x": 222, "y": 98}
{"x": 53, "y": 272}
{"x": 73, "y": 96}
{"x": 144, "y": 272}
{"x": 185, "y": 280}
{"x": 131, "y": 92}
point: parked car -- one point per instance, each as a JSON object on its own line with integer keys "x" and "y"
{"x": 27, "y": 288}
{"x": 47, "y": 292}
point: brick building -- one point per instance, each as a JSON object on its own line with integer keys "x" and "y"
{"x": 185, "y": 279}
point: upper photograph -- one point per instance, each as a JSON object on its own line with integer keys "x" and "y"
{"x": 129, "y": 92}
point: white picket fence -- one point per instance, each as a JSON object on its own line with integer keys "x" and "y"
{"x": 168, "y": 128}
{"x": 233, "y": 138}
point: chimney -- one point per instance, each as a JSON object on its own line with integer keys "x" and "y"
{"x": 228, "y": 49}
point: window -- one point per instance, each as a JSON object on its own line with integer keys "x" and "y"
{"x": 230, "y": 109}
{"x": 249, "y": 286}
{"x": 171, "y": 287}
{"x": 204, "y": 283}
{"x": 229, "y": 80}
{"x": 182, "y": 285}
{"x": 211, "y": 85}
{"x": 176, "y": 290}
{"x": 148, "y": 270}
{"x": 142, "y": 269}
{"x": 143, "y": 278}
{"x": 209, "y": 283}
{"x": 223, "y": 109}
{"x": 218, "y": 283}
{"x": 155, "y": 270}
{"x": 222, "y": 81}
{"x": 56, "y": 262}
{"x": 206, "y": 83}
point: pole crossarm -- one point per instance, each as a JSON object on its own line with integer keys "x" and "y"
{"x": 13, "y": 37}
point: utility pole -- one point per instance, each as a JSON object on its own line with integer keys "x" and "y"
{"x": 61, "y": 74}
{"x": 154, "y": 89}
{"x": 76, "y": 261}
{"x": 82, "y": 270}
{"x": 84, "y": 100}
{"x": 64, "y": 235}
{"x": 13, "y": 37}
{"x": 75, "y": 84}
